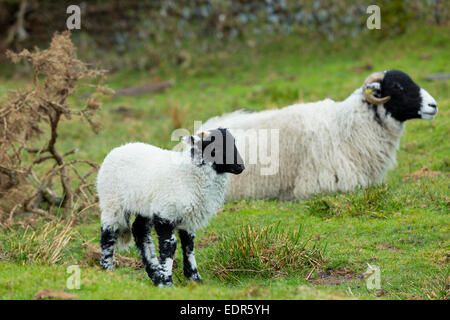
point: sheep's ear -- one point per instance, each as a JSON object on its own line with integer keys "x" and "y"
{"x": 375, "y": 86}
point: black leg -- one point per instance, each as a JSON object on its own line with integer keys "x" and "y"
{"x": 167, "y": 246}
{"x": 108, "y": 241}
{"x": 189, "y": 263}
{"x": 142, "y": 232}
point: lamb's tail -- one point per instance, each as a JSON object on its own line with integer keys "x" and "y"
{"x": 124, "y": 238}
{"x": 121, "y": 228}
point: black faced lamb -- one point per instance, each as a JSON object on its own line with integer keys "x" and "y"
{"x": 168, "y": 190}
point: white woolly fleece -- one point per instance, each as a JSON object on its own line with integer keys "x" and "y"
{"x": 139, "y": 178}
{"x": 325, "y": 146}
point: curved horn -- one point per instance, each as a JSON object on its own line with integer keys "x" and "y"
{"x": 374, "y": 77}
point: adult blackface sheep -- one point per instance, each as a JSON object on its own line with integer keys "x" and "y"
{"x": 168, "y": 189}
{"x": 326, "y": 146}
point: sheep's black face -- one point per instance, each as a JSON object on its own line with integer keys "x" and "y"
{"x": 408, "y": 100}
{"x": 219, "y": 150}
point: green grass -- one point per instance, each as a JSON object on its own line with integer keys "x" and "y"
{"x": 401, "y": 227}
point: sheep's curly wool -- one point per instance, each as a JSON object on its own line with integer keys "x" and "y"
{"x": 325, "y": 146}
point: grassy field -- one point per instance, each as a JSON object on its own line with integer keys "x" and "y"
{"x": 402, "y": 226}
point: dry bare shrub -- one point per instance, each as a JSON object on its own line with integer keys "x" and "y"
{"x": 30, "y": 163}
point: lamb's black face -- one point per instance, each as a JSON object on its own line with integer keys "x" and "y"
{"x": 218, "y": 149}
{"x": 408, "y": 100}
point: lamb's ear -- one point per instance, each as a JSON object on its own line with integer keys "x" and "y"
{"x": 188, "y": 140}
{"x": 204, "y": 135}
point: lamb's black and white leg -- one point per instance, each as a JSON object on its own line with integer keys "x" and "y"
{"x": 167, "y": 246}
{"x": 189, "y": 263}
{"x": 142, "y": 233}
{"x": 108, "y": 241}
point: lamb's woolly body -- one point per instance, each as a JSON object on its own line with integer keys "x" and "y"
{"x": 138, "y": 178}
{"x": 325, "y": 146}
{"x": 170, "y": 191}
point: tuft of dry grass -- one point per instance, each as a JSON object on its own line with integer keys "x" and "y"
{"x": 438, "y": 288}
{"x": 43, "y": 246}
{"x": 267, "y": 252}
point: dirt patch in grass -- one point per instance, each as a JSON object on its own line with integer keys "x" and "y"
{"x": 256, "y": 291}
{"x": 153, "y": 87}
{"x": 230, "y": 209}
{"x": 423, "y": 172}
{"x": 361, "y": 68}
{"x": 92, "y": 256}
{"x": 206, "y": 240}
{"x": 335, "y": 276}
{"x": 49, "y": 294}
{"x": 387, "y": 247}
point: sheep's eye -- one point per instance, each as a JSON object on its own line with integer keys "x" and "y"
{"x": 398, "y": 86}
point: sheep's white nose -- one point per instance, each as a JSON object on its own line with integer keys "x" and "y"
{"x": 429, "y": 109}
